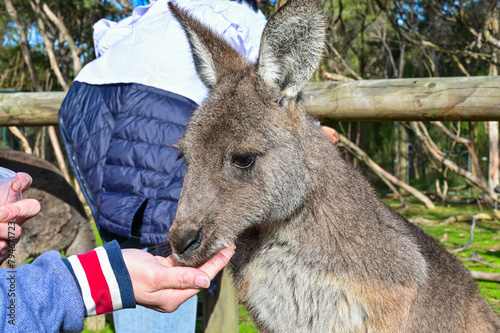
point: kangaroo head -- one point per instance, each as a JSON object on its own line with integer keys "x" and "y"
{"x": 243, "y": 148}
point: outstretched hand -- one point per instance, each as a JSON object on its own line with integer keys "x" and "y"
{"x": 14, "y": 214}
{"x": 161, "y": 284}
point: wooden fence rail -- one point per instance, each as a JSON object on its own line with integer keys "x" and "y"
{"x": 459, "y": 98}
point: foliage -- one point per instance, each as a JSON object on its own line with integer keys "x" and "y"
{"x": 78, "y": 18}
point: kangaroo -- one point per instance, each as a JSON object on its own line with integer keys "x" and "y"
{"x": 316, "y": 249}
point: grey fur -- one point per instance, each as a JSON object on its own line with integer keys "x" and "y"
{"x": 317, "y": 251}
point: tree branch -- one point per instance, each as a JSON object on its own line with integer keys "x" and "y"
{"x": 467, "y": 143}
{"x": 24, "y": 45}
{"x": 361, "y": 155}
{"x": 438, "y": 155}
{"x": 49, "y": 46}
{"x": 491, "y": 16}
{"x": 14, "y": 130}
{"x": 75, "y": 51}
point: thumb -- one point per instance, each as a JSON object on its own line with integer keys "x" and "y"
{"x": 181, "y": 278}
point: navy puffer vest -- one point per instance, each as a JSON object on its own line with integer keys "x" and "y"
{"x": 119, "y": 141}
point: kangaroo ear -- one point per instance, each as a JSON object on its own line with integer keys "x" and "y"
{"x": 291, "y": 47}
{"x": 213, "y": 56}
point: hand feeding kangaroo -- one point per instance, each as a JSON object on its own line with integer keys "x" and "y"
{"x": 316, "y": 250}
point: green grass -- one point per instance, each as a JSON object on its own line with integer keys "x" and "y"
{"x": 245, "y": 323}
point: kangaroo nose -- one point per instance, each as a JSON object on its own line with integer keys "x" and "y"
{"x": 190, "y": 241}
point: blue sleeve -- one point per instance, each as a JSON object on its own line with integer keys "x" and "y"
{"x": 40, "y": 297}
{"x": 102, "y": 279}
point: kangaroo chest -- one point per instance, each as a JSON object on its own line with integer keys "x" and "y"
{"x": 283, "y": 294}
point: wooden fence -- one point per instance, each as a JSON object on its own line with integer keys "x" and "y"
{"x": 463, "y": 98}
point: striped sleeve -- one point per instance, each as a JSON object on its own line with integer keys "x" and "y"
{"x": 103, "y": 279}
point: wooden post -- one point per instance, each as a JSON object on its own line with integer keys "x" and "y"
{"x": 220, "y": 311}
{"x": 96, "y": 323}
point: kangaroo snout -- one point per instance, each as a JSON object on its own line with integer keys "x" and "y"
{"x": 186, "y": 241}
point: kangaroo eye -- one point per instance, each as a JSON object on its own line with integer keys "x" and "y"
{"x": 243, "y": 161}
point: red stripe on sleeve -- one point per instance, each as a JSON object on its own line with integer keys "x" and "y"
{"x": 99, "y": 288}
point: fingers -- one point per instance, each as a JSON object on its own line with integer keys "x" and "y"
{"x": 22, "y": 182}
{"x": 19, "y": 185}
{"x": 218, "y": 262}
{"x": 19, "y": 211}
{"x": 331, "y": 133}
{"x": 188, "y": 277}
{"x": 185, "y": 278}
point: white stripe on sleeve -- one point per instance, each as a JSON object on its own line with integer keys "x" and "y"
{"x": 109, "y": 274}
{"x": 84, "y": 285}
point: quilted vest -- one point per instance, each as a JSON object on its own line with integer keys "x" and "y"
{"x": 119, "y": 141}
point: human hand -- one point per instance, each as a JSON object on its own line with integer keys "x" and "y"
{"x": 161, "y": 284}
{"x": 14, "y": 214}
{"x": 331, "y": 134}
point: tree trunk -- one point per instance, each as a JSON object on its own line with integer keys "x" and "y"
{"x": 75, "y": 52}
{"x": 49, "y": 46}
{"x": 475, "y": 170}
{"x": 58, "y": 152}
{"x": 494, "y": 160}
{"x": 401, "y": 169}
{"x": 24, "y": 45}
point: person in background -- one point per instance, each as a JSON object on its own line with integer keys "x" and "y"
{"x": 122, "y": 116}
{"x": 53, "y": 294}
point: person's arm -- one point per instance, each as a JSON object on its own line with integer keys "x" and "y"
{"x": 111, "y": 279}
{"x": 52, "y": 294}
{"x": 40, "y": 297}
